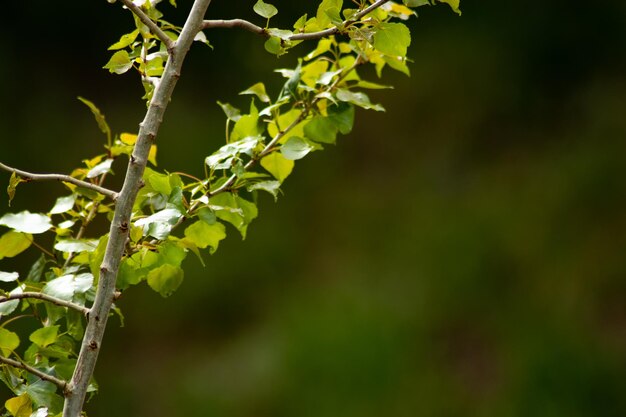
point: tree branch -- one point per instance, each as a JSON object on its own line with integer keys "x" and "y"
{"x": 234, "y": 23}
{"x": 45, "y": 297}
{"x": 63, "y": 178}
{"x": 19, "y": 364}
{"x": 251, "y": 27}
{"x": 154, "y": 28}
{"x": 118, "y": 232}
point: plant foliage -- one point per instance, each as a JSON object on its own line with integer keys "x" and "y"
{"x": 174, "y": 214}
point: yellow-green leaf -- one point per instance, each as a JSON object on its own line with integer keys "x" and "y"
{"x": 165, "y": 279}
{"x": 45, "y": 336}
{"x": 13, "y": 243}
{"x": 9, "y": 341}
{"x": 21, "y": 406}
{"x": 205, "y": 235}
{"x": 277, "y": 165}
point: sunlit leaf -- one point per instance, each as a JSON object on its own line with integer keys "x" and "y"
{"x": 295, "y": 148}
{"x": 97, "y": 114}
{"x": 358, "y": 99}
{"x": 125, "y": 40}
{"x": 454, "y": 4}
{"x": 264, "y": 9}
{"x": 205, "y": 235}
{"x": 9, "y": 341}
{"x": 44, "y": 336}
{"x": 392, "y": 39}
{"x": 8, "y": 307}
{"x": 26, "y": 222}
{"x": 76, "y": 245}
{"x": 100, "y": 169}
{"x": 66, "y": 286}
{"x": 258, "y": 90}
{"x": 272, "y": 187}
{"x": 119, "y": 63}
{"x": 20, "y": 406}
{"x": 231, "y": 112}
{"x": 63, "y": 204}
{"x": 8, "y": 276}
{"x": 277, "y": 165}
{"x": 13, "y": 243}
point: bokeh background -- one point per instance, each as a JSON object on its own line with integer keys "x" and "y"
{"x": 461, "y": 255}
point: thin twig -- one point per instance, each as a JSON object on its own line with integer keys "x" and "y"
{"x": 154, "y": 28}
{"x": 234, "y": 23}
{"x": 19, "y": 364}
{"x": 63, "y": 178}
{"x": 45, "y": 297}
{"x": 251, "y": 27}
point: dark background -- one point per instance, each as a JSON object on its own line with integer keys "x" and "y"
{"x": 461, "y": 255}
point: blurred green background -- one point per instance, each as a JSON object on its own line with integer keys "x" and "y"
{"x": 461, "y": 255}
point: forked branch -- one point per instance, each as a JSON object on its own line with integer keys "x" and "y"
{"x": 63, "y": 178}
{"x": 251, "y": 27}
{"x": 19, "y": 364}
{"x": 154, "y": 28}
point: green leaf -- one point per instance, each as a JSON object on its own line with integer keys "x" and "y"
{"x": 231, "y": 112}
{"x": 63, "y": 204}
{"x": 13, "y": 243}
{"x": 44, "y": 336}
{"x": 8, "y": 276}
{"x": 14, "y": 181}
{"x": 321, "y": 129}
{"x": 342, "y": 115}
{"x": 9, "y": 341}
{"x": 454, "y": 4}
{"x": 271, "y": 187}
{"x": 125, "y": 40}
{"x": 165, "y": 279}
{"x": 159, "y": 225}
{"x": 264, "y": 9}
{"x": 392, "y": 39}
{"x": 43, "y": 394}
{"x": 66, "y": 286}
{"x": 205, "y": 235}
{"x": 223, "y": 158}
{"x": 415, "y": 3}
{"x": 295, "y": 148}
{"x": 119, "y": 63}
{"x": 258, "y": 90}
{"x": 8, "y": 307}
{"x": 26, "y": 222}
{"x": 20, "y": 406}
{"x": 97, "y": 114}
{"x": 326, "y": 9}
{"x": 277, "y": 165}
{"x": 76, "y": 245}
{"x": 358, "y": 99}
{"x": 234, "y": 210}
{"x": 274, "y": 45}
{"x": 247, "y": 125}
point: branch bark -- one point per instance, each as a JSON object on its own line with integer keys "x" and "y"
{"x": 154, "y": 28}
{"x": 251, "y": 27}
{"x": 45, "y": 297}
{"x": 63, "y": 178}
{"x": 18, "y": 364}
{"x": 118, "y": 233}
